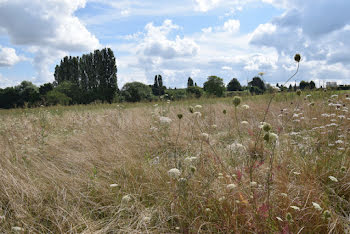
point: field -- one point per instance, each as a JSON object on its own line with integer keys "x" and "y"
{"x": 202, "y": 166}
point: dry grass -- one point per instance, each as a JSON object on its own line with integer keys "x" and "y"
{"x": 57, "y": 165}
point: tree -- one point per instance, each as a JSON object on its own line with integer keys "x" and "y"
{"x": 194, "y": 91}
{"x": 28, "y": 92}
{"x": 290, "y": 88}
{"x": 304, "y": 85}
{"x": 234, "y": 85}
{"x": 9, "y": 98}
{"x": 215, "y": 86}
{"x": 258, "y": 82}
{"x": 94, "y": 75}
{"x": 55, "y": 97}
{"x": 45, "y": 88}
{"x": 158, "y": 89}
{"x": 312, "y": 85}
{"x": 189, "y": 82}
{"x": 136, "y": 91}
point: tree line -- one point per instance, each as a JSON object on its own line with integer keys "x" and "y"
{"x": 93, "y": 78}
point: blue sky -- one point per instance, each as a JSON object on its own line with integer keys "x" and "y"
{"x": 178, "y": 39}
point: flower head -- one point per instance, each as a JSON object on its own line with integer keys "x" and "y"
{"x": 231, "y": 186}
{"x": 236, "y": 100}
{"x": 174, "y": 173}
{"x": 165, "y": 120}
{"x": 332, "y": 178}
{"x": 126, "y": 199}
{"x": 317, "y": 206}
{"x": 297, "y": 58}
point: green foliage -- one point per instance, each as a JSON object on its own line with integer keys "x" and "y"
{"x": 234, "y": 85}
{"x": 176, "y": 94}
{"x": 194, "y": 91}
{"x": 215, "y": 86}
{"x": 190, "y": 82}
{"x": 55, "y": 97}
{"x": 136, "y": 91}
{"x": 257, "y": 85}
{"x": 94, "y": 76}
{"x": 158, "y": 88}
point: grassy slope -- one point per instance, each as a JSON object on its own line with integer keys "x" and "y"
{"x": 57, "y": 164}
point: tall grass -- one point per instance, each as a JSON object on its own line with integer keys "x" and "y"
{"x": 104, "y": 168}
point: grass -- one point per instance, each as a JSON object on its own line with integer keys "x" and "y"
{"x": 104, "y": 168}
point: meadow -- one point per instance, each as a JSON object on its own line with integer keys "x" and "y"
{"x": 195, "y": 166}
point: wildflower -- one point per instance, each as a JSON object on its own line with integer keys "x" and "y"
{"x": 179, "y": 116}
{"x": 17, "y": 229}
{"x": 235, "y": 147}
{"x": 190, "y": 108}
{"x": 245, "y": 107}
{"x": 207, "y": 210}
{"x": 284, "y": 195}
{"x": 279, "y": 219}
{"x": 341, "y": 116}
{"x": 165, "y": 120}
{"x": 341, "y": 149}
{"x": 197, "y": 114}
{"x": 174, "y": 173}
{"x": 295, "y": 208}
{"x": 339, "y": 142}
{"x": 198, "y": 106}
{"x": 289, "y": 217}
{"x": 190, "y": 160}
{"x": 297, "y": 58}
{"x": 266, "y": 127}
{"x": 326, "y": 214}
{"x": 126, "y": 199}
{"x": 298, "y": 92}
{"x": 193, "y": 169}
{"x": 214, "y": 126}
{"x": 146, "y": 219}
{"x": 295, "y": 115}
{"x": 253, "y": 183}
{"x": 205, "y": 136}
{"x": 343, "y": 169}
{"x": 231, "y": 186}
{"x": 224, "y": 112}
{"x": 307, "y": 96}
{"x": 155, "y": 105}
{"x": 273, "y": 136}
{"x": 236, "y": 100}
{"x": 114, "y": 185}
{"x": 317, "y": 206}
{"x": 244, "y": 122}
{"x": 332, "y": 178}
{"x": 334, "y": 96}
{"x": 221, "y": 199}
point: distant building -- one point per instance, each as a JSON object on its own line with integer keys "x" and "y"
{"x": 331, "y": 84}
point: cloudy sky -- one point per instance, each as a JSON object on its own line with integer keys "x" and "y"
{"x": 178, "y": 39}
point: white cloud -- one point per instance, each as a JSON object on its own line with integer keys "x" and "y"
{"x": 46, "y": 26}
{"x": 206, "y": 5}
{"x": 157, "y": 44}
{"x": 8, "y": 57}
{"x": 231, "y": 26}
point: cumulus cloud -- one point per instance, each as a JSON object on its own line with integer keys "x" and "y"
{"x": 206, "y": 5}
{"x": 8, "y": 57}
{"x": 46, "y": 26}
{"x": 157, "y": 44}
{"x": 231, "y": 26}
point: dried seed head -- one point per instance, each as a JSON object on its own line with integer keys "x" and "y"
{"x": 297, "y": 58}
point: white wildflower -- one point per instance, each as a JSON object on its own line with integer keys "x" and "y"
{"x": 126, "y": 199}
{"x": 114, "y": 185}
{"x": 236, "y": 147}
{"x": 197, "y": 114}
{"x": 146, "y": 219}
{"x": 295, "y": 208}
{"x": 295, "y": 115}
{"x": 332, "y": 178}
{"x": 221, "y": 199}
{"x": 273, "y": 136}
{"x": 341, "y": 149}
{"x": 284, "y": 195}
{"x": 245, "y": 107}
{"x": 174, "y": 173}
{"x": 214, "y": 126}
{"x": 198, "y": 106}
{"x": 334, "y": 96}
{"x": 231, "y": 186}
{"x": 325, "y": 115}
{"x": 317, "y": 206}
{"x": 341, "y": 116}
{"x": 165, "y": 120}
{"x": 296, "y": 173}
{"x": 207, "y": 210}
{"x": 339, "y": 142}
{"x": 253, "y": 183}
{"x": 190, "y": 160}
{"x": 279, "y": 219}
{"x": 17, "y": 229}
{"x": 205, "y": 136}
{"x": 244, "y": 122}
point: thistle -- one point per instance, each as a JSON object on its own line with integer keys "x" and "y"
{"x": 297, "y": 58}
{"x": 236, "y": 101}
{"x": 179, "y": 116}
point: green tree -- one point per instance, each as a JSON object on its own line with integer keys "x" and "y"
{"x": 215, "y": 86}
{"x": 258, "y": 83}
{"x": 194, "y": 91}
{"x": 234, "y": 85}
{"x": 304, "y": 85}
{"x": 136, "y": 91}
{"x": 312, "y": 85}
{"x": 55, "y": 97}
{"x": 29, "y": 93}
{"x": 158, "y": 89}
{"x": 190, "y": 82}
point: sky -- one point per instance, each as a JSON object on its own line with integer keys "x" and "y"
{"x": 179, "y": 39}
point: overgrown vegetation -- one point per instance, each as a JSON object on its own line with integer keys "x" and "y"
{"x": 178, "y": 166}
